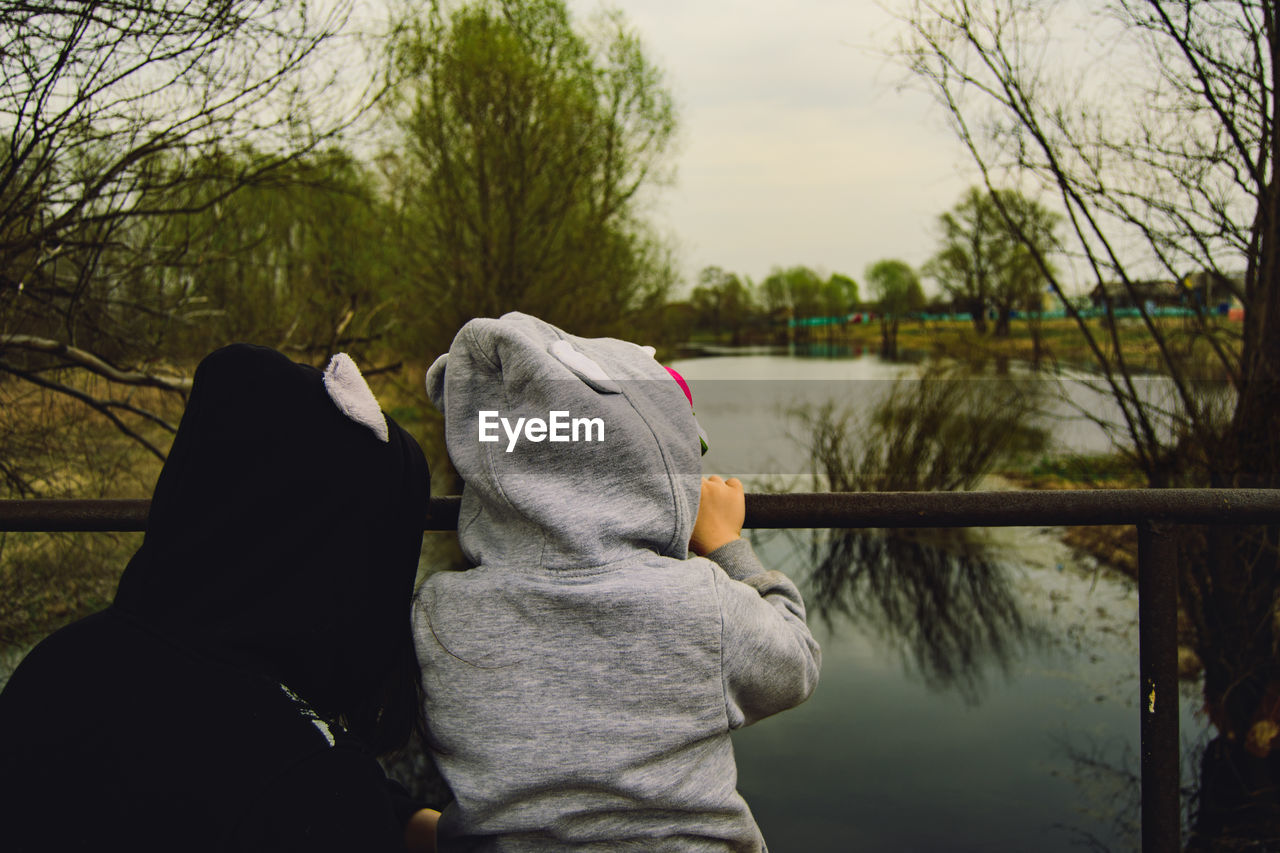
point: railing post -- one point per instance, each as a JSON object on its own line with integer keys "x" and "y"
{"x": 1158, "y": 673}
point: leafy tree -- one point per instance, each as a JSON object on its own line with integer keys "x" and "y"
{"x": 987, "y": 261}
{"x": 527, "y": 147}
{"x": 797, "y": 290}
{"x": 840, "y": 294}
{"x": 1166, "y": 171}
{"x": 723, "y": 303}
{"x": 896, "y": 289}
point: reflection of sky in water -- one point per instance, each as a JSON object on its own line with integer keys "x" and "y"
{"x": 1025, "y": 741}
{"x": 742, "y": 403}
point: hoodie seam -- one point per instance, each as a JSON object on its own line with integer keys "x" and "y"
{"x": 490, "y": 454}
{"x": 479, "y": 348}
{"x": 493, "y": 471}
{"x": 576, "y": 570}
{"x": 666, "y": 464}
{"x": 724, "y": 680}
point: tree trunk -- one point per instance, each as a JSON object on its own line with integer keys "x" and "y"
{"x": 888, "y": 338}
{"x": 978, "y": 311}
{"x": 1240, "y": 795}
{"x": 1002, "y": 323}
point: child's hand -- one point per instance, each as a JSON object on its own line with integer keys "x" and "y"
{"x": 721, "y": 512}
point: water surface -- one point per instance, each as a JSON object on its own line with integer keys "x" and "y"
{"x": 979, "y": 692}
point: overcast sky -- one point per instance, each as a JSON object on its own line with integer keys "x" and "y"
{"x": 796, "y": 146}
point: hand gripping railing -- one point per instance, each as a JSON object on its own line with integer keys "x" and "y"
{"x": 1153, "y": 511}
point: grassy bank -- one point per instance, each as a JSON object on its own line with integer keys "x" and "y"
{"x": 1113, "y": 546}
{"x": 59, "y": 448}
{"x": 1051, "y": 341}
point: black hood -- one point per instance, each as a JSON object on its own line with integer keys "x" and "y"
{"x": 283, "y": 536}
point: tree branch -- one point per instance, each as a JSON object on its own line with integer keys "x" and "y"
{"x": 94, "y": 364}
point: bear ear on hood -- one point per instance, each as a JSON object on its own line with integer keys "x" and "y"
{"x": 352, "y": 395}
{"x": 435, "y": 381}
{"x": 583, "y": 367}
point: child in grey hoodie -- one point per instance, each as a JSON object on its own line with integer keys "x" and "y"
{"x": 582, "y": 680}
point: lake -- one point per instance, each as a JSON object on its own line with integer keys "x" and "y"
{"x": 979, "y": 691}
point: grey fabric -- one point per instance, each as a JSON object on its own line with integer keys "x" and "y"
{"x": 583, "y": 678}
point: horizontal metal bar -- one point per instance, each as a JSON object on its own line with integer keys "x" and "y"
{"x": 60, "y": 515}
{"x": 1065, "y": 507}
{"x": 813, "y": 509}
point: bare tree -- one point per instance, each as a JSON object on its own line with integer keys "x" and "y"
{"x": 118, "y": 117}
{"x": 1154, "y": 124}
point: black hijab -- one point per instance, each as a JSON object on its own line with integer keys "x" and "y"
{"x": 283, "y": 535}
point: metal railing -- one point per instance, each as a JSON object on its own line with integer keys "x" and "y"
{"x": 1152, "y": 511}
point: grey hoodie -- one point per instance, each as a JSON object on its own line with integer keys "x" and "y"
{"x": 583, "y": 678}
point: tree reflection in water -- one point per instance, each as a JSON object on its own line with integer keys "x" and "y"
{"x": 931, "y": 594}
{"x": 1108, "y": 775}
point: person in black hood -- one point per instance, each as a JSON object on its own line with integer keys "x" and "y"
{"x": 258, "y": 650}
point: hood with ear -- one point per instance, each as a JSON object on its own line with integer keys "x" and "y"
{"x": 285, "y": 527}
{"x": 587, "y": 500}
